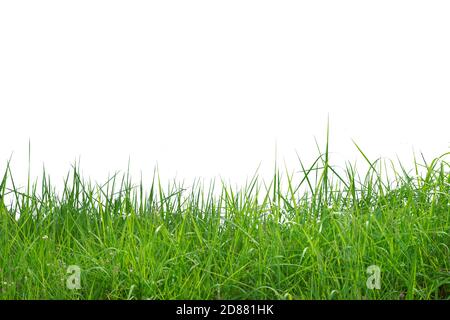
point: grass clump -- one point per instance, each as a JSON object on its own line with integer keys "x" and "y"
{"x": 307, "y": 237}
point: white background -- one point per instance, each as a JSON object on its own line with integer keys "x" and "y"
{"x": 209, "y": 88}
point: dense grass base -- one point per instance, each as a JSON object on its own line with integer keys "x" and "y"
{"x": 311, "y": 239}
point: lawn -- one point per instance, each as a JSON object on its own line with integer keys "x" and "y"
{"x": 314, "y": 235}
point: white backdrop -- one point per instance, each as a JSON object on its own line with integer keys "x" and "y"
{"x": 208, "y": 88}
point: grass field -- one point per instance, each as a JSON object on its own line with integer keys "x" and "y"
{"x": 308, "y": 236}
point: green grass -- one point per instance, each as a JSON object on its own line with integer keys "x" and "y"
{"x": 306, "y": 236}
